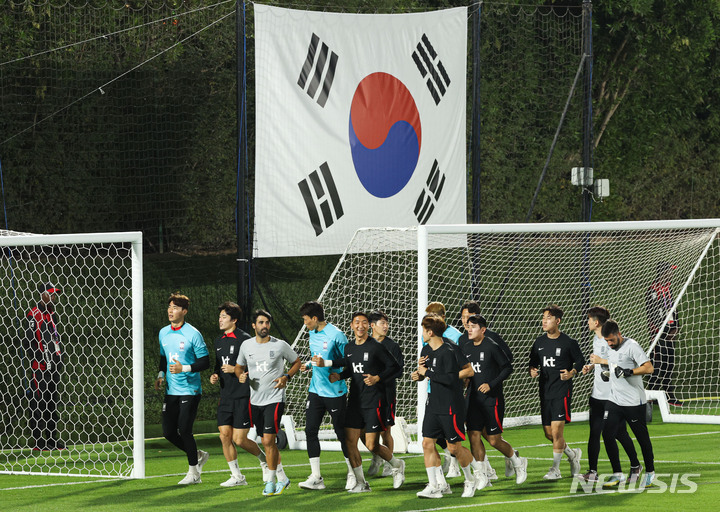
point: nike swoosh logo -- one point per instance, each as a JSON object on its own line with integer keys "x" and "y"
{"x": 183, "y": 401}
{"x": 218, "y": 349}
{"x": 541, "y": 348}
{"x": 333, "y": 410}
{"x": 375, "y": 426}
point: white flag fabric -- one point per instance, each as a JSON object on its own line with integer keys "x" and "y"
{"x": 360, "y": 121}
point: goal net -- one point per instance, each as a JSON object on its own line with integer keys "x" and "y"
{"x": 81, "y": 389}
{"x": 514, "y": 271}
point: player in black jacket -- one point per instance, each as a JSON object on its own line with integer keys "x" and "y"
{"x": 556, "y": 358}
{"x": 233, "y": 413}
{"x": 486, "y": 407}
{"x": 445, "y": 409}
{"x": 369, "y": 365}
{"x": 42, "y": 347}
{"x": 380, "y": 325}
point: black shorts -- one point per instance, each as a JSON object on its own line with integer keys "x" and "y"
{"x": 372, "y": 420}
{"x": 390, "y": 410}
{"x": 445, "y": 426}
{"x": 486, "y": 415}
{"x": 555, "y": 409}
{"x": 266, "y": 418}
{"x": 234, "y": 412}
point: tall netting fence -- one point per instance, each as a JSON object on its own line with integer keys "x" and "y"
{"x": 118, "y": 116}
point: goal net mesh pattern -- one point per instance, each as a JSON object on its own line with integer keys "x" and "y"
{"x": 514, "y": 276}
{"x": 94, "y": 400}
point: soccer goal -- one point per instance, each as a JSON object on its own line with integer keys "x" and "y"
{"x": 515, "y": 270}
{"x": 95, "y": 359}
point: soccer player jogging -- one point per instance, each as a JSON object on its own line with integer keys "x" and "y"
{"x": 328, "y": 342}
{"x": 369, "y": 365}
{"x": 597, "y": 316}
{"x": 261, "y": 363}
{"x": 556, "y": 358}
{"x": 627, "y": 364}
{"x": 468, "y": 309}
{"x": 486, "y": 408}
{"x": 444, "y": 414}
{"x": 380, "y": 325}
{"x": 450, "y": 464}
{"x": 183, "y": 355}
{"x": 233, "y": 414}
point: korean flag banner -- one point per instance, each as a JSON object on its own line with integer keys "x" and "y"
{"x": 360, "y": 122}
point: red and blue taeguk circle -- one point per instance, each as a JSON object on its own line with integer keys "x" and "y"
{"x": 385, "y": 134}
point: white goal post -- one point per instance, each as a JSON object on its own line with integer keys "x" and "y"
{"x": 97, "y": 412}
{"x": 513, "y": 271}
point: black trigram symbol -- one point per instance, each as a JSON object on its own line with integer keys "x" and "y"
{"x": 322, "y": 65}
{"x": 430, "y": 66}
{"x": 430, "y": 195}
{"x": 322, "y": 199}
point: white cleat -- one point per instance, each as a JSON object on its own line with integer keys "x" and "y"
{"x": 491, "y": 474}
{"x": 454, "y": 469}
{"x": 469, "y": 488}
{"x": 575, "y": 467}
{"x": 509, "y": 468}
{"x": 387, "y": 469}
{"x": 430, "y": 492}
{"x": 190, "y": 479}
{"x": 234, "y": 481}
{"x": 445, "y": 489}
{"x": 398, "y": 475}
{"x": 313, "y": 483}
{"x": 202, "y": 459}
{"x": 360, "y": 487}
{"x": 521, "y": 471}
{"x": 374, "y": 466}
{"x": 481, "y": 481}
{"x": 552, "y": 474}
{"x": 351, "y": 481}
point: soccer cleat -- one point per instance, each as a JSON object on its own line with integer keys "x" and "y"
{"x": 398, "y": 475}
{"x": 281, "y": 486}
{"x": 675, "y": 403}
{"x": 430, "y": 491}
{"x": 615, "y": 480}
{"x": 374, "y": 466}
{"x": 445, "y": 489}
{"x": 454, "y": 469}
{"x": 190, "y": 479}
{"x": 634, "y": 474}
{"x": 387, "y": 469}
{"x": 590, "y": 476}
{"x": 360, "y": 487}
{"x": 552, "y": 474}
{"x": 469, "y": 488}
{"x": 575, "y": 466}
{"x": 56, "y": 445}
{"x": 313, "y": 483}
{"x": 265, "y": 471}
{"x": 521, "y": 470}
{"x": 202, "y": 459}
{"x": 234, "y": 481}
{"x": 647, "y": 480}
{"x": 491, "y": 473}
{"x": 481, "y": 481}
{"x": 269, "y": 489}
{"x": 509, "y": 468}
{"x": 351, "y": 481}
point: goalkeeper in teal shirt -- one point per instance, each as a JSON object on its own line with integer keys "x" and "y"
{"x": 183, "y": 355}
